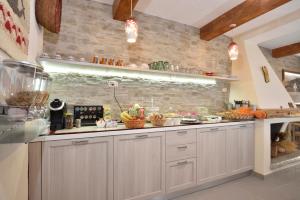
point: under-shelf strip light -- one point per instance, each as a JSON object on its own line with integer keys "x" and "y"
{"x": 51, "y": 67}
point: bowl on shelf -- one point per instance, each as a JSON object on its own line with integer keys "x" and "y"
{"x": 209, "y": 73}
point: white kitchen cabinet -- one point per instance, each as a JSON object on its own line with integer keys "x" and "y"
{"x": 240, "y": 148}
{"x": 78, "y": 169}
{"x": 211, "y": 154}
{"x": 181, "y": 175}
{"x": 139, "y": 166}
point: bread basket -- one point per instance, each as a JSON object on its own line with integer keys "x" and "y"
{"x": 159, "y": 122}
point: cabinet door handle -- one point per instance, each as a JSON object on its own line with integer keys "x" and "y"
{"x": 181, "y": 132}
{"x": 214, "y": 129}
{"x": 80, "y": 142}
{"x": 182, "y": 147}
{"x": 141, "y": 136}
{"x": 243, "y": 126}
{"x": 182, "y": 163}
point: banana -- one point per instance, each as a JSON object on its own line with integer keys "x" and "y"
{"x": 122, "y": 117}
{"x": 125, "y": 116}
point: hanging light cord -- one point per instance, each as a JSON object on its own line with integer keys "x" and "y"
{"x": 117, "y": 100}
{"x": 130, "y": 8}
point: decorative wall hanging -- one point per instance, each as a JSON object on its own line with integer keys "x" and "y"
{"x": 266, "y": 74}
{"x": 48, "y": 14}
{"x": 14, "y": 27}
{"x": 291, "y": 80}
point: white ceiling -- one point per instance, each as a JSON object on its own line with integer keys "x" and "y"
{"x": 199, "y": 12}
{"x": 282, "y": 41}
{"x": 191, "y": 12}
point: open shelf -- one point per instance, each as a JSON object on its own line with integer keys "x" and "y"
{"x": 67, "y": 66}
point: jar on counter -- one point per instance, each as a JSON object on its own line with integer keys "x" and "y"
{"x": 69, "y": 121}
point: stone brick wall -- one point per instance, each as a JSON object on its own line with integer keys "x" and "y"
{"x": 93, "y": 90}
{"x": 88, "y": 29}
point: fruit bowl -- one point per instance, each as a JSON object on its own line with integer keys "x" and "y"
{"x": 134, "y": 117}
{"x": 136, "y": 123}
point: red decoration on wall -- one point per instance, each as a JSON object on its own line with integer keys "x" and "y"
{"x": 15, "y": 28}
{"x": 2, "y": 9}
{"x": 8, "y": 26}
{"x": 24, "y": 41}
{"x": 18, "y": 40}
{"x": 7, "y": 23}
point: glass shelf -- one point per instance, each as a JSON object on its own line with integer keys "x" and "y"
{"x": 67, "y": 66}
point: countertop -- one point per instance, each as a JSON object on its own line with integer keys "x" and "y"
{"x": 93, "y": 131}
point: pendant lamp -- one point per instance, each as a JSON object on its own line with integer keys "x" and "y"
{"x": 233, "y": 51}
{"x": 131, "y": 28}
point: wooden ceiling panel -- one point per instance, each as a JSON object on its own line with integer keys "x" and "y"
{"x": 122, "y": 9}
{"x": 288, "y": 50}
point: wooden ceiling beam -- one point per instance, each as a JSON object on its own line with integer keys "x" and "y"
{"x": 288, "y": 50}
{"x": 237, "y": 16}
{"x": 122, "y": 9}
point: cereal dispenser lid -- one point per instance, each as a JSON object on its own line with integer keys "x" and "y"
{"x": 24, "y": 66}
{"x": 44, "y": 75}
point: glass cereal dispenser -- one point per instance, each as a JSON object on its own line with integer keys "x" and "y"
{"x": 42, "y": 84}
{"x": 18, "y": 81}
{"x": 20, "y": 108}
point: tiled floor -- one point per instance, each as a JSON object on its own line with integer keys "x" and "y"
{"x": 284, "y": 185}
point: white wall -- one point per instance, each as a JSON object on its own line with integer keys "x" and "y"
{"x": 13, "y": 171}
{"x": 243, "y": 89}
{"x": 269, "y": 95}
{"x": 14, "y": 157}
{"x": 35, "y": 36}
{"x": 252, "y": 86}
{"x": 13, "y": 167}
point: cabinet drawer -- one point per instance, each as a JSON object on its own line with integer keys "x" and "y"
{"x": 181, "y": 137}
{"x": 240, "y": 126}
{"x": 181, "y": 151}
{"x": 180, "y": 175}
{"x": 212, "y": 129}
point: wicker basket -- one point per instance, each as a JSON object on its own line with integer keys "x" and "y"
{"x": 160, "y": 122}
{"x": 135, "y": 123}
{"x": 236, "y": 116}
{"x": 48, "y": 14}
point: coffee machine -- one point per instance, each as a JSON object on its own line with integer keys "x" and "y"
{"x": 57, "y": 110}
